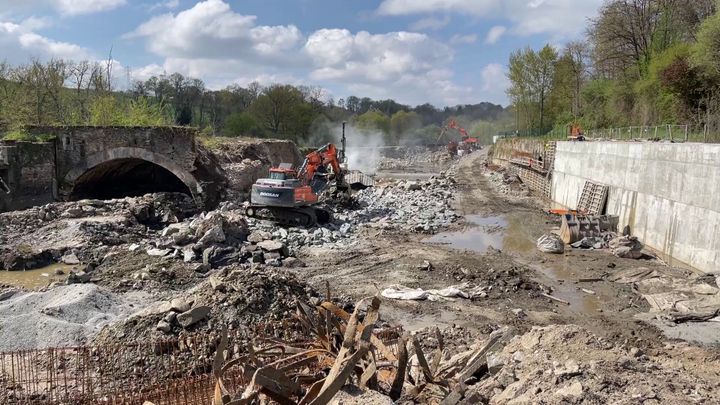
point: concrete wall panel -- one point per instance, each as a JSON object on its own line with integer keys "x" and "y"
{"x": 669, "y": 194}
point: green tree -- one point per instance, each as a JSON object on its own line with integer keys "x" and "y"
{"x": 404, "y": 124}
{"x": 145, "y": 112}
{"x": 276, "y": 108}
{"x": 241, "y": 124}
{"x": 374, "y": 121}
{"x": 106, "y": 111}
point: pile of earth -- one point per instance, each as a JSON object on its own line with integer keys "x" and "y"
{"x": 507, "y": 183}
{"x": 568, "y": 364}
{"x": 62, "y": 316}
{"x": 246, "y": 160}
{"x": 253, "y": 298}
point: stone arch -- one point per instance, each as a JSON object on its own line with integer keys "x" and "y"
{"x": 113, "y": 164}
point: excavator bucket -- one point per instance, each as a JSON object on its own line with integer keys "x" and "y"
{"x": 576, "y": 227}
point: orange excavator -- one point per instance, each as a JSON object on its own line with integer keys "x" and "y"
{"x": 288, "y": 196}
{"x": 467, "y": 143}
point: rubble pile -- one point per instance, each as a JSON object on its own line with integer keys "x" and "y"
{"x": 238, "y": 297}
{"x": 567, "y": 364}
{"x": 414, "y": 206}
{"x": 39, "y": 236}
{"x": 415, "y": 158}
{"x": 507, "y": 183}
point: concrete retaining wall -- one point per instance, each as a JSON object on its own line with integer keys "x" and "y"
{"x": 669, "y": 194}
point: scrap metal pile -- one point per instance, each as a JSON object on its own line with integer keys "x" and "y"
{"x": 348, "y": 353}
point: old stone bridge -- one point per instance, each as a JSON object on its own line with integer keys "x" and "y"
{"x": 107, "y": 162}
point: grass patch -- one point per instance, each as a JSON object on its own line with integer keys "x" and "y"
{"x": 24, "y": 136}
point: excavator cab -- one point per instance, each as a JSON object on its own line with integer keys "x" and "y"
{"x": 283, "y": 172}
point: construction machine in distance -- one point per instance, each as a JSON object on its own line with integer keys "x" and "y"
{"x": 290, "y": 196}
{"x": 466, "y": 144}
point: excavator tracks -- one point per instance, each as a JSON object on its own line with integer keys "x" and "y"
{"x": 300, "y": 216}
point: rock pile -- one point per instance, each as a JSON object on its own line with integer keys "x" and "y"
{"x": 507, "y": 183}
{"x": 237, "y": 297}
{"x": 415, "y": 158}
{"x": 39, "y": 236}
{"x": 568, "y": 364}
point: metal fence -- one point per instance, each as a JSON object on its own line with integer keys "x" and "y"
{"x": 669, "y": 132}
{"x": 176, "y": 371}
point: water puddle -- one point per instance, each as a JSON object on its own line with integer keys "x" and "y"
{"x": 483, "y": 233}
{"x": 32, "y": 279}
{"x": 564, "y": 287}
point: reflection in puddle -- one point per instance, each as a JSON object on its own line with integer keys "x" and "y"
{"x": 36, "y": 278}
{"x": 483, "y": 233}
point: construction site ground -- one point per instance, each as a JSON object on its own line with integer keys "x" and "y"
{"x": 575, "y": 333}
{"x": 517, "y": 272}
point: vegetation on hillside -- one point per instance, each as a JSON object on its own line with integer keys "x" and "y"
{"x": 644, "y": 62}
{"x": 62, "y": 92}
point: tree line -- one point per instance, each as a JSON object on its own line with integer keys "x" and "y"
{"x": 60, "y": 92}
{"x": 643, "y": 62}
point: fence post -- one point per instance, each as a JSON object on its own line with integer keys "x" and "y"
{"x": 705, "y": 132}
{"x": 656, "y": 128}
{"x": 686, "y": 132}
{"x": 670, "y": 131}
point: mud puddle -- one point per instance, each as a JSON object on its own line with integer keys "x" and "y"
{"x": 32, "y": 279}
{"x": 562, "y": 280}
{"x": 505, "y": 233}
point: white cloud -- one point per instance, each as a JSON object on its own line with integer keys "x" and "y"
{"x": 463, "y": 39}
{"x": 79, "y": 7}
{"x": 408, "y": 67}
{"x": 211, "y": 30}
{"x": 33, "y": 23}
{"x": 19, "y": 44}
{"x": 528, "y": 17}
{"x": 212, "y": 42}
{"x": 430, "y": 23}
{"x": 339, "y": 55}
{"x": 495, "y": 34}
{"x": 168, "y": 5}
{"x": 494, "y": 83}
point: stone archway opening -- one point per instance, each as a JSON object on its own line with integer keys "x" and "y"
{"x": 126, "y": 177}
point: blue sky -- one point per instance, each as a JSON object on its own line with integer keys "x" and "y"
{"x": 414, "y": 51}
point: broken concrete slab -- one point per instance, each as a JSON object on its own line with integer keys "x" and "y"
{"x": 193, "y": 316}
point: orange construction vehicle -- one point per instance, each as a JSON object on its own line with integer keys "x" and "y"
{"x": 575, "y": 132}
{"x": 288, "y": 196}
{"x": 467, "y": 143}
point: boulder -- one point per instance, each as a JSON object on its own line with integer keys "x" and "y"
{"x": 180, "y": 305}
{"x": 259, "y": 236}
{"x": 271, "y": 245}
{"x": 217, "y": 284}
{"x": 193, "y": 316}
{"x": 70, "y": 259}
{"x": 164, "y": 327}
{"x": 215, "y": 257}
{"x": 212, "y": 236}
{"x": 158, "y": 252}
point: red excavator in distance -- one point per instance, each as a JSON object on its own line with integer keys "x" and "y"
{"x": 467, "y": 143}
{"x": 288, "y": 195}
